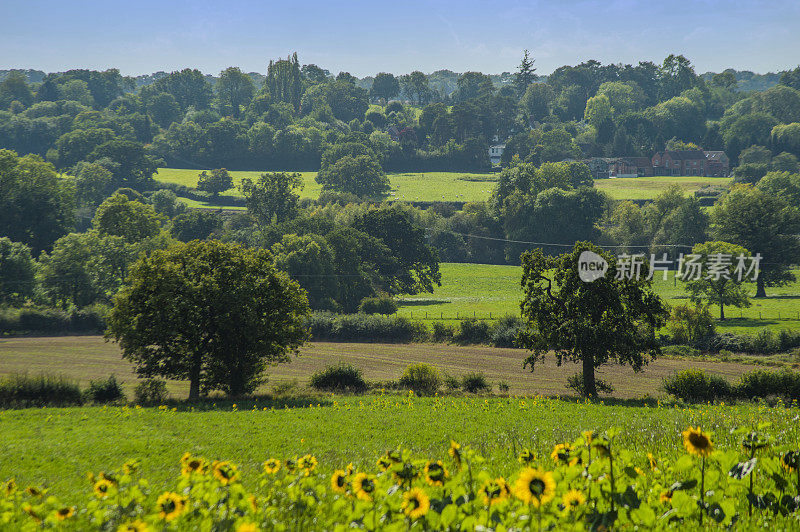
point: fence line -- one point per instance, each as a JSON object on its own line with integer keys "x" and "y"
{"x": 730, "y": 314}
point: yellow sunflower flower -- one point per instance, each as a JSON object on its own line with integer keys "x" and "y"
{"x": 435, "y": 473}
{"x": 455, "y": 452}
{"x": 563, "y": 453}
{"x": 791, "y": 461}
{"x": 65, "y": 513}
{"x": 307, "y": 463}
{"x": 134, "y": 526}
{"x": 526, "y": 457}
{"x": 652, "y": 460}
{"x": 384, "y": 464}
{"x": 130, "y": 467}
{"x": 9, "y": 487}
{"x": 102, "y": 487}
{"x": 416, "y": 503}
{"x": 33, "y": 491}
{"x": 225, "y": 472}
{"x": 193, "y": 464}
{"x": 494, "y": 491}
{"x": 247, "y": 527}
{"x": 364, "y": 486}
{"x": 665, "y": 497}
{"x": 272, "y": 466}
{"x": 535, "y": 487}
{"x": 339, "y": 481}
{"x": 170, "y": 505}
{"x": 573, "y": 499}
{"x": 697, "y": 442}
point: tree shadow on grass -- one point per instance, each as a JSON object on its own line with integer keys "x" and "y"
{"x": 748, "y": 322}
{"x": 422, "y": 302}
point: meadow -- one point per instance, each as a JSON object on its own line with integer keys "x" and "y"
{"x": 488, "y": 291}
{"x": 313, "y": 487}
{"x": 459, "y": 186}
{"x": 409, "y": 186}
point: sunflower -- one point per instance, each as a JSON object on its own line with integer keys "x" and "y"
{"x": 697, "y": 442}
{"x": 225, "y": 472}
{"x": 652, "y": 460}
{"x": 435, "y": 473}
{"x": 170, "y": 505}
{"x": 253, "y": 500}
{"x": 563, "y": 453}
{"x": 665, "y": 497}
{"x": 364, "y": 486}
{"x": 247, "y": 527}
{"x": 394, "y": 456}
{"x": 307, "y": 463}
{"x": 535, "y": 486}
{"x": 28, "y": 509}
{"x": 134, "y": 526}
{"x": 416, "y": 503}
{"x": 272, "y": 466}
{"x": 101, "y": 488}
{"x": 130, "y": 467}
{"x": 33, "y": 491}
{"x": 791, "y": 460}
{"x": 9, "y": 487}
{"x": 194, "y": 464}
{"x": 572, "y": 499}
{"x": 384, "y": 464}
{"x": 291, "y": 464}
{"x": 455, "y": 452}
{"x": 494, "y": 491}
{"x": 339, "y": 481}
{"x": 526, "y": 457}
{"x": 65, "y": 513}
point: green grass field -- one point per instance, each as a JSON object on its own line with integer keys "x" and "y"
{"x": 643, "y": 188}
{"x": 482, "y": 290}
{"x": 416, "y": 186}
{"x": 55, "y": 448}
{"x": 459, "y": 186}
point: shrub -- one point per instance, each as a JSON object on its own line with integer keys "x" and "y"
{"x": 104, "y": 391}
{"x": 366, "y": 328}
{"x": 424, "y": 379}
{"x": 151, "y": 391}
{"x": 472, "y": 331}
{"x": 342, "y": 378}
{"x": 680, "y": 351}
{"x": 378, "y": 305}
{"x": 451, "y": 382}
{"x": 20, "y": 390}
{"x": 443, "y": 332}
{"x": 695, "y": 385}
{"x": 761, "y": 383}
{"x": 503, "y": 387}
{"x": 504, "y": 332}
{"x": 285, "y": 388}
{"x": 691, "y": 324}
{"x": 475, "y": 383}
{"x": 87, "y": 320}
{"x": 575, "y": 382}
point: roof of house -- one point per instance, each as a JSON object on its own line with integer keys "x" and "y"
{"x": 715, "y": 155}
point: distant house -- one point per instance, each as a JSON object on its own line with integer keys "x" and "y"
{"x": 496, "y": 152}
{"x": 598, "y": 166}
{"x": 683, "y": 162}
{"x": 630, "y": 167}
{"x": 717, "y": 164}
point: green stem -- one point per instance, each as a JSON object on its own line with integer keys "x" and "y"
{"x": 702, "y": 490}
{"x": 611, "y": 474}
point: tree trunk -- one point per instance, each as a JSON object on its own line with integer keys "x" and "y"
{"x": 589, "y": 386}
{"x": 721, "y": 311}
{"x": 760, "y": 287}
{"x": 194, "y": 377}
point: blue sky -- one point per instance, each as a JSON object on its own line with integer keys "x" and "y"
{"x": 367, "y": 37}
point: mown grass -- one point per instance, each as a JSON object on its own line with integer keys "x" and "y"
{"x": 643, "y": 188}
{"x": 413, "y": 186}
{"x": 56, "y": 447}
{"x": 85, "y": 358}
{"x": 482, "y": 290}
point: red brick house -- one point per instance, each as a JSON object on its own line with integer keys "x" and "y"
{"x": 717, "y": 164}
{"x": 683, "y": 162}
{"x": 630, "y": 167}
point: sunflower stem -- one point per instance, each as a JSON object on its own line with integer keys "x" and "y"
{"x": 702, "y": 489}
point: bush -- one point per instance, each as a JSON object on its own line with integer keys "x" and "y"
{"x": 341, "y": 378}
{"x": 424, "y": 379}
{"x": 20, "y": 390}
{"x": 691, "y": 324}
{"x": 451, "y": 382}
{"x": 681, "y": 351}
{"x": 378, "y": 305}
{"x": 472, "y": 331}
{"x": 575, "y": 382}
{"x": 443, "y": 332}
{"x": 105, "y": 391}
{"x": 503, "y": 387}
{"x": 366, "y": 328}
{"x": 695, "y": 385}
{"x": 761, "y": 383}
{"x": 504, "y": 332}
{"x": 151, "y": 392}
{"x": 87, "y": 320}
{"x": 475, "y": 383}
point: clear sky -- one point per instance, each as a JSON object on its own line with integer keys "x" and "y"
{"x": 363, "y": 38}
